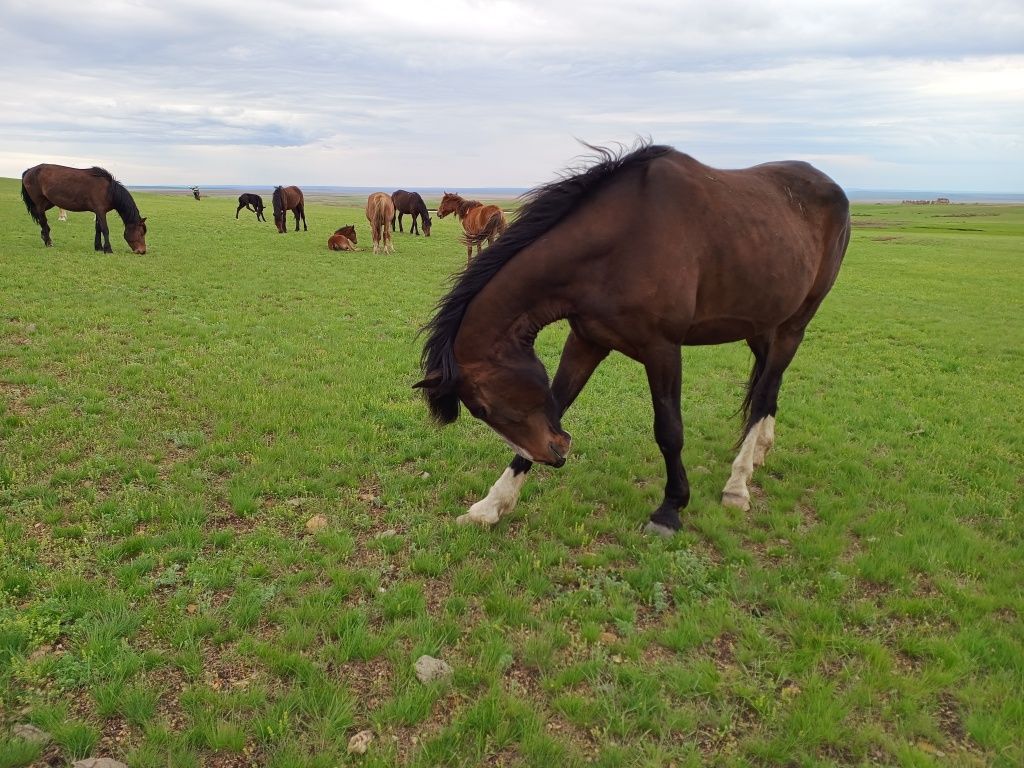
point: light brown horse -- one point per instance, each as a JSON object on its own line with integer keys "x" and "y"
{"x": 289, "y": 199}
{"x": 643, "y": 253}
{"x": 82, "y": 189}
{"x": 480, "y": 222}
{"x": 343, "y": 239}
{"x": 379, "y": 212}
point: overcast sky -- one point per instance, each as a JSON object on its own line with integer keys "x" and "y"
{"x": 907, "y": 94}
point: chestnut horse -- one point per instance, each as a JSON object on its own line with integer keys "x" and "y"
{"x": 343, "y": 239}
{"x": 379, "y": 212}
{"x": 82, "y": 189}
{"x": 480, "y": 222}
{"x": 410, "y": 202}
{"x": 288, "y": 199}
{"x": 251, "y": 202}
{"x": 644, "y": 253}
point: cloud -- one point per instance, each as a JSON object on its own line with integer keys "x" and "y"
{"x": 473, "y": 93}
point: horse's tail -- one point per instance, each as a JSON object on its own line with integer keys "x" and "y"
{"x": 29, "y": 204}
{"x": 495, "y": 225}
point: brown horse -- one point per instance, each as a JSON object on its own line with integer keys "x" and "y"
{"x": 643, "y": 253}
{"x": 82, "y": 189}
{"x": 410, "y": 202}
{"x": 288, "y": 199}
{"x": 343, "y": 239}
{"x": 480, "y": 222}
{"x": 379, "y": 212}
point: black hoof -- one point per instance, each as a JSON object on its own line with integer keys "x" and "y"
{"x": 657, "y": 529}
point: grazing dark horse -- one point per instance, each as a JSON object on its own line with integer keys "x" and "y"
{"x": 82, "y": 189}
{"x": 480, "y": 222}
{"x": 343, "y": 239}
{"x": 195, "y": 192}
{"x": 253, "y": 203}
{"x": 643, "y": 253}
{"x": 410, "y": 202}
{"x": 288, "y": 199}
{"x": 379, "y": 212}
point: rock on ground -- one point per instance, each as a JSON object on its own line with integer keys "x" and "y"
{"x": 429, "y": 669}
{"x": 359, "y": 743}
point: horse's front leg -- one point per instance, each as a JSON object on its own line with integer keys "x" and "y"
{"x": 664, "y": 375}
{"x": 579, "y": 359}
{"x": 101, "y": 229}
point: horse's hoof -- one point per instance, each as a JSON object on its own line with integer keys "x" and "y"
{"x": 657, "y": 529}
{"x": 735, "y": 500}
{"x": 469, "y": 519}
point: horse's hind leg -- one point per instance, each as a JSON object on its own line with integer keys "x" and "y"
{"x": 763, "y": 397}
{"x": 44, "y": 228}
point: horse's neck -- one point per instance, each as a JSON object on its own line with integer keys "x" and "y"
{"x": 465, "y": 206}
{"x": 518, "y": 301}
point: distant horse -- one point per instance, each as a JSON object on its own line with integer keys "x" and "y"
{"x": 410, "y": 202}
{"x": 343, "y": 239}
{"x": 480, "y": 222}
{"x": 195, "y": 192}
{"x": 253, "y": 203}
{"x": 288, "y": 199}
{"x": 82, "y": 189}
{"x": 644, "y": 253}
{"x": 379, "y": 212}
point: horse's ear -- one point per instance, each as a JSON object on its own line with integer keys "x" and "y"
{"x": 432, "y": 381}
{"x": 142, "y": 220}
{"x": 440, "y": 396}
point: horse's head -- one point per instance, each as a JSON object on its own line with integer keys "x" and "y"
{"x": 425, "y": 224}
{"x": 348, "y": 231}
{"x": 135, "y": 236}
{"x": 280, "y": 214}
{"x": 512, "y": 396}
{"x": 449, "y": 204}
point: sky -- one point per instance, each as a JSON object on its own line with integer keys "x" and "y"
{"x": 901, "y": 94}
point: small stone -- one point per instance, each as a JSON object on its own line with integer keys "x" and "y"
{"x": 429, "y": 669}
{"x": 387, "y": 534}
{"x": 296, "y": 502}
{"x": 27, "y": 732}
{"x": 424, "y": 475}
{"x": 316, "y": 524}
{"x": 359, "y": 743}
{"x": 608, "y": 638}
{"x": 98, "y": 762}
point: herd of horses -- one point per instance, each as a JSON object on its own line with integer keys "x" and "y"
{"x": 644, "y": 252}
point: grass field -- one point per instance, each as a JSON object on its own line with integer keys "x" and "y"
{"x": 170, "y": 422}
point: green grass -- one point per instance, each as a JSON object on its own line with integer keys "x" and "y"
{"x": 168, "y": 424}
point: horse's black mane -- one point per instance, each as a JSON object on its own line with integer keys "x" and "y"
{"x": 541, "y": 210}
{"x": 278, "y": 201}
{"x": 120, "y": 197}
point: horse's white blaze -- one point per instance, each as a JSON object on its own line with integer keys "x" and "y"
{"x": 735, "y": 493}
{"x": 765, "y": 440}
{"x": 500, "y": 500}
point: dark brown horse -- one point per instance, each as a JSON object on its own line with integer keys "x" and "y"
{"x": 480, "y": 222}
{"x": 343, "y": 239}
{"x": 643, "y": 253}
{"x": 410, "y": 202}
{"x": 251, "y": 202}
{"x": 82, "y": 189}
{"x": 289, "y": 199}
{"x": 379, "y": 212}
